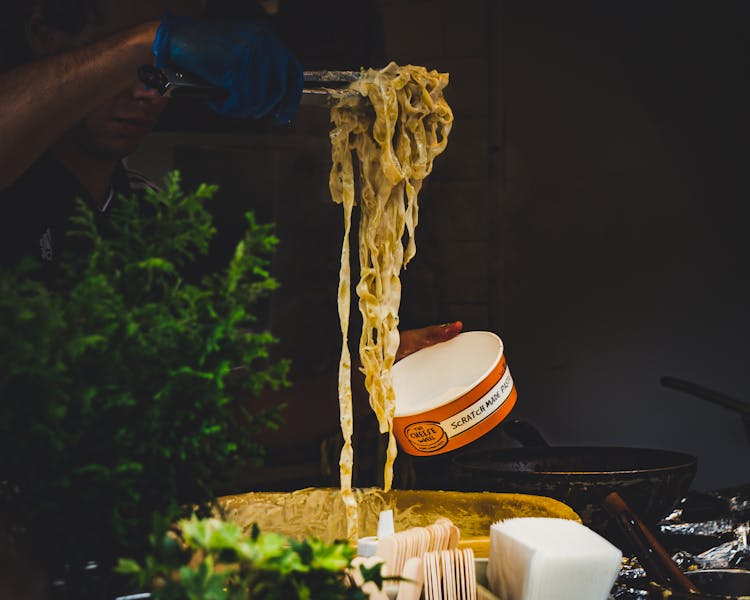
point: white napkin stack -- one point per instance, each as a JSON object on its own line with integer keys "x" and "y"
{"x": 550, "y": 559}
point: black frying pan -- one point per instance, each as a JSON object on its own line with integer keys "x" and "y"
{"x": 651, "y": 481}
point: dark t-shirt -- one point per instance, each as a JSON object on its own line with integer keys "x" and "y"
{"x": 36, "y": 208}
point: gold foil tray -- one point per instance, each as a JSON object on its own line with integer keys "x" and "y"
{"x": 319, "y": 512}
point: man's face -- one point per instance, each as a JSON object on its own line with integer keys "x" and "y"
{"x": 115, "y": 129}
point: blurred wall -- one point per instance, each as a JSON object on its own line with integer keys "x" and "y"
{"x": 623, "y": 210}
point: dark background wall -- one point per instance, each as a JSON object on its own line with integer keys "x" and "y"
{"x": 623, "y": 212}
{"x": 590, "y": 208}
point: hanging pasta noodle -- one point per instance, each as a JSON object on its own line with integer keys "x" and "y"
{"x": 396, "y": 125}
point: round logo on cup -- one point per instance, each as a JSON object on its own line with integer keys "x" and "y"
{"x": 426, "y": 436}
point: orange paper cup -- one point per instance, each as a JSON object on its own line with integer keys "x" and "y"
{"x": 451, "y": 394}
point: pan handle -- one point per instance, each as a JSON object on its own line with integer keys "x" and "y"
{"x": 705, "y": 393}
{"x": 524, "y": 433}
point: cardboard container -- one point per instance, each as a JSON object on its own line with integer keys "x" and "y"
{"x": 451, "y": 394}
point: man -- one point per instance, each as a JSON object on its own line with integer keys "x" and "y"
{"x": 74, "y": 108}
{"x": 71, "y": 113}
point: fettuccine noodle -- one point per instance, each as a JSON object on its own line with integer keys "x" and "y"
{"x": 396, "y": 125}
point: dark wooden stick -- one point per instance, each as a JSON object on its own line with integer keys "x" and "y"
{"x": 654, "y": 558}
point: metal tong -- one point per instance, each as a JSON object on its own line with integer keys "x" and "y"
{"x": 319, "y": 87}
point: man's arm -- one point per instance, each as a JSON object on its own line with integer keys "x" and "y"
{"x": 41, "y": 100}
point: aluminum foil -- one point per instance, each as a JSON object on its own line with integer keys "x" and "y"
{"x": 626, "y": 593}
{"x": 716, "y": 527}
{"x": 732, "y": 553}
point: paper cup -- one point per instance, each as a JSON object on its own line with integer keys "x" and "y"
{"x": 450, "y": 394}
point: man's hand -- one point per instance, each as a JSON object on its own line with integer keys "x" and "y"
{"x": 243, "y": 57}
{"x": 416, "y": 339}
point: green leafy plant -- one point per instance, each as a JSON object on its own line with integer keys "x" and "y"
{"x": 126, "y": 385}
{"x": 211, "y": 559}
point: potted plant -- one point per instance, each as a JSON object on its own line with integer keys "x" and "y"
{"x": 124, "y": 378}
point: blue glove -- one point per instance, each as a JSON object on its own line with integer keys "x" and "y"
{"x": 244, "y": 57}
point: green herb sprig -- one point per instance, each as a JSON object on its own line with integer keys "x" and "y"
{"x": 211, "y": 559}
